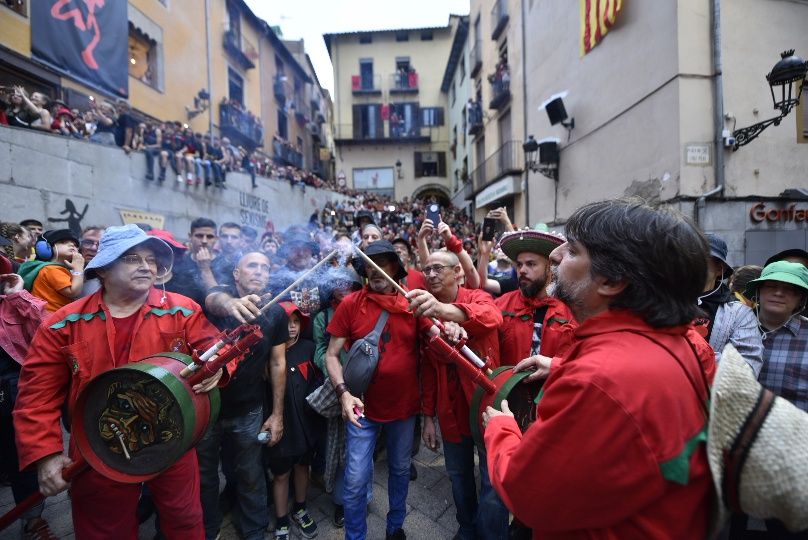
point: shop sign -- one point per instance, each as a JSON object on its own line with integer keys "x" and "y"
{"x": 760, "y": 213}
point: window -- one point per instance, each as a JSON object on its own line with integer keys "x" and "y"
{"x": 235, "y": 86}
{"x": 462, "y": 69}
{"x": 402, "y": 36}
{"x": 426, "y": 36}
{"x": 367, "y": 122}
{"x": 17, "y": 6}
{"x": 430, "y": 164}
{"x": 283, "y": 127}
{"x": 142, "y": 57}
{"x": 366, "y": 74}
{"x": 364, "y": 39}
{"x": 452, "y": 94}
{"x": 404, "y": 120}
{"x": 234, "y": 26}
{"x": 432, "y": 116}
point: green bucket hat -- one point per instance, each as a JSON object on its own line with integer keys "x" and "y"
{"x": 788, "y": 272}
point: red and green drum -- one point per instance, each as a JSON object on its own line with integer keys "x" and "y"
{"x": 133, "y": 422}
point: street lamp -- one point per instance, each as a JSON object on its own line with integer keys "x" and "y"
{"x": 789, "y": 70}
{"x": 398, "y": 168}
{"x": 542, "y": 156}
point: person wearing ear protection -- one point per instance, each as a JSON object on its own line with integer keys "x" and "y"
{"x": 726, "y": 320}
{"x": 127, "y": 320}
{"x": 57, "y": 273}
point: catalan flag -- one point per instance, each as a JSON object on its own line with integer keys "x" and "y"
{"x": 597, "y": 17}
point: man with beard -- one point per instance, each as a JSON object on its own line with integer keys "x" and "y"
{"x": 617, "y": 448}
{"x": 469, "y": 313}
{"x": 241, "y": 416}
{"x": 533, "y": 322}
{"x": 391, "y": 400}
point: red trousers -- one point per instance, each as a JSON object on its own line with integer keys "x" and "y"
{"x": 104, "y": 509}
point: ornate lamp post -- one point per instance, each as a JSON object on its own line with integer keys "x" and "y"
{"x": 789, "y": 70}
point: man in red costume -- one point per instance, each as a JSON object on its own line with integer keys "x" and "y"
{"x": 125, "y": 321}
{"x": 617, "y": 449}
{"x": 471, "y": 313}
{"x": 533, "y": 321}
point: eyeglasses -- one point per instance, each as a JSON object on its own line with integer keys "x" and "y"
{"x": 137, "y": 260}
{"x": 436, "y": 269}
{"x": 89, "y": 243}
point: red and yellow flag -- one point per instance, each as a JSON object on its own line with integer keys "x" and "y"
{"x": 597, "y": 17}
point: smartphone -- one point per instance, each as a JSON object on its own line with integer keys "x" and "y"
{"x": 489, "y": 228}
{"x": 433, "y": 213}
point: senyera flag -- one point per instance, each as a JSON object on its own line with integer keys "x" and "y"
{"x": 84, "y": 39}
{"x": 597, "y": 17}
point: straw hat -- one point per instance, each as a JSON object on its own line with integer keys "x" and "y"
{"x": 757, "y": 447}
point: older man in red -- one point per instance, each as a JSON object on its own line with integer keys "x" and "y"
{"x": 471, "y": 313}
{"x": 125, "y": 321}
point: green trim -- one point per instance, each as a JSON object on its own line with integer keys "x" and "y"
{"x": 160, "y": 312}
{"x": 74, "y": 317}
{"x": 508, "y": 314}
{"x": 526, "y": 317}
{"x": 474, "y": 408}
{"x": 539, "y": 396}
{"x": 677, "y": 469}
{"x": 556, "y": 320}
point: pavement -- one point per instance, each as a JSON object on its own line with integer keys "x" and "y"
{"x": 430, "y": 510}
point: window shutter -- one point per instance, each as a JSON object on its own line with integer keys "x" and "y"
{"x": 357, "y": 121}
{"x": 442, "y": 164}
{"x": 418, "y": 166}
{"x": 440, "y": 116}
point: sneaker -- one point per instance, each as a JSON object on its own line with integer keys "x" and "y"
{"x": 37, "y": 529}
{"x": 398, "y": 535}
{"x": 282, "y": 533}
{"x": 307, "y": 526}
{"x": 413, "y": 473}
{"x": 149, "y": 177}
{"x": 339, "y": 516}
{"x": 179, "y": 179}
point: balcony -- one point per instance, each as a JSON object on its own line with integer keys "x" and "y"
{"x": 366, "y": 85}
{"x": 285, "y": 154}
{"x": 239, "y": 48}
{"x": 242, "y": 126}
{"x": 500, "y": 89}
{"x": 499, "y": 18}
{"x": 404, "y": 82}
{"x": 314, "y": 130}
{"x": 476, "y": 58}
{"x": 508, "y": 159}
{"x": 380, "y": 133}
{"x": 474, "y": 117}
{"x": 280, "y": 88}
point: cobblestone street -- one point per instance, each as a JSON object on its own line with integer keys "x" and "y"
{"x": 430, "y": 512}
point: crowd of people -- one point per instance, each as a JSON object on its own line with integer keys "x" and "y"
{"x": 620, "y": 325}
{"x": 193, "y": 158}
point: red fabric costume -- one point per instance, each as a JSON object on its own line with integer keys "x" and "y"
{"x": 442, "y": 385}
{"x": 516, "y": 331}
{"x": 608, "y": 456}
{"x": 393, "y": 393}
{"x": 75, "y": 344}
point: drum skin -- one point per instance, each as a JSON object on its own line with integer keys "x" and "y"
{"x": 521, "y": 399}
{"x": 133, "y": 422}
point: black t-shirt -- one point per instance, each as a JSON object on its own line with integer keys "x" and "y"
{"x": 245, "y": 391}
{"x": 223, "y": 266}
{"x": 187, "y": 280}
{"x": 125, "y": 121}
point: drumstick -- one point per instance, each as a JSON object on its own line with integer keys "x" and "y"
{"x": 466, "y": 351}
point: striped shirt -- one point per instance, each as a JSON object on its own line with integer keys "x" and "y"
{"x": 785, "y": 361}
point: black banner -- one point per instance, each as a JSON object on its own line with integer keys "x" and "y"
{"x": 85, "y": 39}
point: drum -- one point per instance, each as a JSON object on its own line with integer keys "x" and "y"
{"x": 521, "y": 400}
{"x": 133, "y": 422}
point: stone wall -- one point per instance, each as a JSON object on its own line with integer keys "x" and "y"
{"x": 45, "y": 176}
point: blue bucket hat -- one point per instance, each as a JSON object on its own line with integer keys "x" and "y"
{"x": 718, "y": 250}
{"x": 118, "y": 240}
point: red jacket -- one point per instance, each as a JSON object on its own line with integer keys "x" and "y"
{"x": 608, "y": 456}
{"x": 76, "y": 343}
{"x": 20, "y": 315}
{"x": 441, "y": 383}
{"x": 516, "y": 331}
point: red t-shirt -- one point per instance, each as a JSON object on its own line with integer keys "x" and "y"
{"x": 124, "y": 329}
{"x": 393, "y": 393}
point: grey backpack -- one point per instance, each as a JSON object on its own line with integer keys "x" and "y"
{"x": 363, "y": 358}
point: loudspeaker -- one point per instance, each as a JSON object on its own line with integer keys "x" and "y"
{"x": 548, "y": 153}
{"x": 556, "y": 111}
